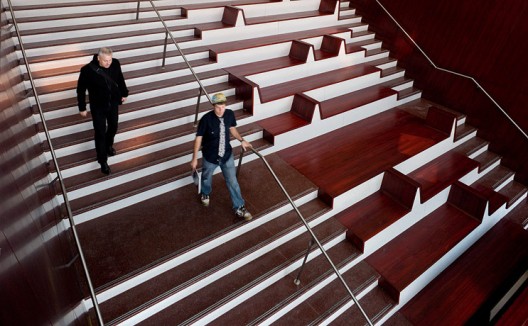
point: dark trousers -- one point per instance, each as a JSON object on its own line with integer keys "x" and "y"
{"x": 105, "y": 127}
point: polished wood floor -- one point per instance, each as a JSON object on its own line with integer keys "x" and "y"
{"x": 345, "y": 158}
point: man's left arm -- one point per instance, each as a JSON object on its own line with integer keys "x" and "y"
{"x": 121, "y": 82}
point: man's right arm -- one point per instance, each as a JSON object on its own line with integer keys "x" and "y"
{"x": 197, "y": 145}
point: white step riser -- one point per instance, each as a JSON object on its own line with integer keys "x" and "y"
{"x": 125, "y": 18}
{"x": 138, "y": 96}
{"x": 147, "y": 28}
{"x": 277, "y": 8}
{"x": 304, "y": 70}
{"x": 48, "y": 50}
{"x": 203, "y": 248}
{"x": 345, "y": 87}
{"x": 140, "y": 113}
{"x": 81, "y": 61}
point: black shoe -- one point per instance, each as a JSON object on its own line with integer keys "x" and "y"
{"x": 105, "y": 168}
{"x": 111, "y": 151}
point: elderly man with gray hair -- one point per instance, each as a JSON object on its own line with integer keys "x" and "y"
{"x": 107, "y": 89}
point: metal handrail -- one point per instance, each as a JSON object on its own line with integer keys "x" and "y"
{"x": 168, "y": 33}
{"x": 452, "y": 72}
{"x": 313, "y": 240}
{"x": 59, "y": 175}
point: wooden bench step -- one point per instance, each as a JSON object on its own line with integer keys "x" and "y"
{"x": 438, "y": 174}
{"x": 212, "y": 261}
{"x": 281, "y": 90}
{"x": 283, "y": 17}
{"x": 474, "y": 281}
{"x": 376, "y": 142}
{"x": 352, "y": 100}
{"x": 519, "y": 214}
{"x": 370, "y": 216}
{"x": 406, "y": 257}
{"x": 225, "y": 47}
{"x": 513, "y": 191}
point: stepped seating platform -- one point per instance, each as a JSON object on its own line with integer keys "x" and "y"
{"x": 375, "y": 143}
{"x": 468, "y": 289}
{"x": 221, "y": 48}
{"x": 519, "y": 214}
{"x": 438, "y": 174}
{"x": 285, "y": 89}
{"x": 369, "y": 217}
{"x": 402, "y": 260}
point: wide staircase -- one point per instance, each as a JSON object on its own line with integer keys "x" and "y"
{"x": 402, "y": 194}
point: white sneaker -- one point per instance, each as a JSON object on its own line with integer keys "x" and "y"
{"x": 243, "y": 213}
{"x": 204, "y": 199}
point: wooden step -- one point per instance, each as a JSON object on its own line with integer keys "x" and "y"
{"x": 513, "y": 191}
{"x": 515, "y": 313}
{"x": 241, "y": 248}
{"x": 519, "y": 214}
{"x": 438, "y": 174}
{"x": 405, "y": 258}
{"x": 285, "y": 89}
{"x": 375, "y": 142}
{"x": 467, "y": 290}
{"x": 225, "y": 47}
{"x": 370, "y": 216}
{"x": 352, "y": 100}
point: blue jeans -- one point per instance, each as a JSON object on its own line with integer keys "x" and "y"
{"x": 229, "y": 172}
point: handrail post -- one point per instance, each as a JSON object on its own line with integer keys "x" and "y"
{"x": 180, "y": 50}
{"x": 59, "y": 174}
{"x": 165, "y": 50}
{"x": 297, "y": 280}
{"x": 137, "y": 12}
{"x": 314, "y": 238}
{"x": 242, "y": 151}
{"x": 197, "y": 108}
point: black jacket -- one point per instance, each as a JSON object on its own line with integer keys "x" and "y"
{"x": 102, "y": 92}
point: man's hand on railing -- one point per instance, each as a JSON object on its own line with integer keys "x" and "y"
{"x": 246, "y": 145}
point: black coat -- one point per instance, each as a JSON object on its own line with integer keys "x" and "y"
{"x": 102, "y": 92}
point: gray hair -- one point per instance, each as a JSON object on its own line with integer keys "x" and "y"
{"x": 105, "y": 51}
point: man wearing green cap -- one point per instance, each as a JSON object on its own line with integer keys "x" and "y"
{"x": 213, "y": 134}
